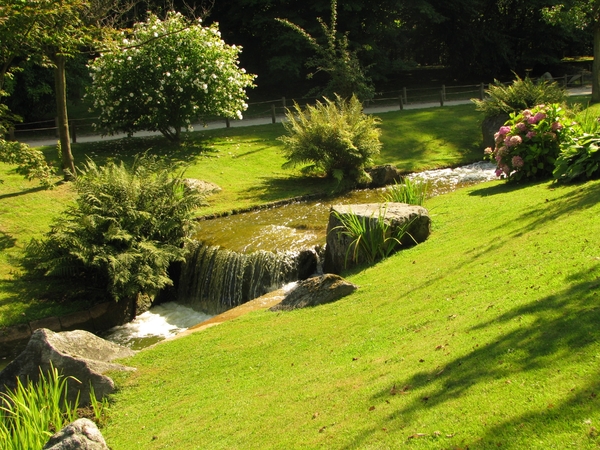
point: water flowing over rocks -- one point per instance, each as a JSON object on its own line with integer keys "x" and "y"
{"x": 78, "y": 353}
{"x": 83, "y": 434}
{"x": 315, "y": 291}
{"x": 214, "y": 280}
{"x": 414, "y": 219}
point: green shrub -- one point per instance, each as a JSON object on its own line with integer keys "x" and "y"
{"x": 334, "y": 138}
{"x": 30, "y": 162}
{"x": 124, "y": 230}
{"x": 521, "y": 94}
{"x": 579, "y": 158}
{"x": 529, "y": 143}
{"x": 413, "y": 192}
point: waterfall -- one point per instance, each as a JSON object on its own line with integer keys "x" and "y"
{"x": 214, "y": 279}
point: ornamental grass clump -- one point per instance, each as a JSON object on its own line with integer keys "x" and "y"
{"x": 334, "y": 138}
{"x": 372, "y": 238}
{"x": 529, "y": 143}
{"x": 32, "y": 412}
{"x": 412, "y": 192}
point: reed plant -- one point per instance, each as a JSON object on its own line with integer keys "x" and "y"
{"x": 372, "y": 238}
{"x": 32, "y": 412}
{"x": 413, "y": 192}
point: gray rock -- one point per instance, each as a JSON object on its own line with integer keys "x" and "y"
{"x": 415, "y": 219}
{"x": 83, "y": 434}
{"x": 203, "y": 187}
{"x": 315, "y": 291}
{"x": 383, "y": 175}
{"x": 79, "y": 354}
{"x": 490, "y": 126}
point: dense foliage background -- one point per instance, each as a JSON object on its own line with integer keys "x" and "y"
{"x": 473, "y": 40}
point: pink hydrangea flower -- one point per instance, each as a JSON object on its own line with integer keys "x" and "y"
{"x": 532, "y": 120}
{"x": 515, "y": 140}
{"x": 488, "y": 151}
{"x": 521, "y": 127}
{"x": 517, "y": 162}
{"x": 530, "y": 135}
{"x": 499, "y": 172}
{"x": 504, "y": 130}
{"x": 556, "y": 126}
{"x": 527, "y": 113}
{"x": 539, "y": 116}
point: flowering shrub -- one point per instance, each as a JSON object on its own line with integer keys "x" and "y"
{"x": 166, "y": 74}
{"x": 529, "y": 143}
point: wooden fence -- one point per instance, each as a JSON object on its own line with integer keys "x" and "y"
{"x": 275, "y": 109}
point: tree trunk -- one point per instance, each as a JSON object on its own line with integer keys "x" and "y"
{"x": 60, "y": 89}
{"x": 596, "y": 65}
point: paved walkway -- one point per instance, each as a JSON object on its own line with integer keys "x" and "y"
{"x": 36, "y": 142}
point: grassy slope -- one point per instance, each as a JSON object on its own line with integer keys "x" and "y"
{"x": 245, "y": 162}
{"x": 485, "y": 335}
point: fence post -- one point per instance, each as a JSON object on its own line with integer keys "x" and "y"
{"x": 443, "y": 92}
{"x": 11, "y": 134}
{"x": 273, "y": 118}
{"x": 481, "y": 91}
{"x": 404, "y": 95}
{"x": 441, "y": 98}
{"x": 283, "y": 102}
{"x": 73, "y": 130}
{"x": 400, "y": 103}
{"x": 566, "y": 80}
{"x": 227, "y": 124}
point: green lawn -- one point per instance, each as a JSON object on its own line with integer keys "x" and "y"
{"x": 484, "y": 336}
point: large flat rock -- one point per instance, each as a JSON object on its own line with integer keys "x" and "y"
{"x": 78, "y": 353}
{"x": 415, "y": 219}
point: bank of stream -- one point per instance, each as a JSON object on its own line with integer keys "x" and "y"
{"x": 286, "y": 229}
{"x": 289, "y": 228}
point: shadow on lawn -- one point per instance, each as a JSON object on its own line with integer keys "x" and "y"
{"x": 563, "y": 326}
{"x": 269, "y": 189}
{"x": 6, "y": 241}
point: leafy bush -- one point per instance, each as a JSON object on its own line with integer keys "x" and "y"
{"x": 124, "y": 230}
{"x": 169, "y": 73}
{"x": 30, "y": 162}
{"x": 579, "y": 158}
{"x": 334, "y": 138}
{"x": 521, "y": 94}
{"x": 529, "y": 143}
{"x": 413, "y": 192}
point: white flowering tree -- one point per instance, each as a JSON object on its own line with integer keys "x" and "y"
{"x": 165, "y": 74}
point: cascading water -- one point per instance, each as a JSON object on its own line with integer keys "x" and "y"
{"x": 214, "y": 279}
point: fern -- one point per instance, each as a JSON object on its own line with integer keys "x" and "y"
{"x": 124, "y": 230}
{"x": 332, "y": 138}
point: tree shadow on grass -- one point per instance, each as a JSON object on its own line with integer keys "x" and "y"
{"x": 23, "y": 192}
{"x": 562, "y": 327}
{"x": 270, "y": 189}
{"x": 127, "y": 149}
{"x": 6, "y": 241}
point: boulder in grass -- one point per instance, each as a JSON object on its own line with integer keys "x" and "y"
{"x": 315, "y": 291}
{"x": 413, "y": 219}
{"x": 78, "y": 354}
{"x": 83, "y": 434}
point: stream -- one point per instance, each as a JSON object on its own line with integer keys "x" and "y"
{"x": 289, "y": 228}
